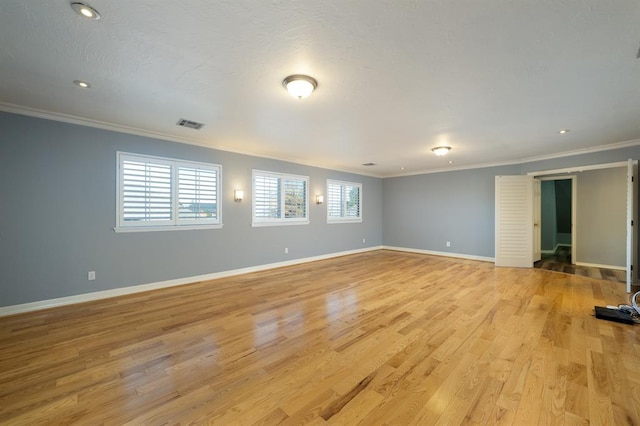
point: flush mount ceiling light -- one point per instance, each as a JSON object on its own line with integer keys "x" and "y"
{"x": 85, "y": 11}
{"x": 441, "y": 150}
{"x": 300, "y": 86}
{"x": 82, "y": 84}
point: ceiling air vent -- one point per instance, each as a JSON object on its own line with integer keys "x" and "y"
{"x": 190, "y": 124}
{"x": 368, "y": 164}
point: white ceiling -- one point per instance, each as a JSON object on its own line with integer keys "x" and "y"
{"x": 494, "y": 79}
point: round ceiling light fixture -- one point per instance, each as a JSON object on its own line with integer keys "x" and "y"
{"x": 300, "y": 86}
{"x": 85, "y": 11}
{"x": 82, "y": 84}
{"x": 441, "y": 150}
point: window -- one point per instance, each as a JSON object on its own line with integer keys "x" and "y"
{"x": 344, "y": 201}
{"x": 161, "y": 193}
{"x": 280, "y": 199}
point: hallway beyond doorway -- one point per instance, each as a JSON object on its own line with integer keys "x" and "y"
{"x": 560, "y": 261}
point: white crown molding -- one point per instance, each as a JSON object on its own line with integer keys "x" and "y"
{"x": 98, "y": 295}
{"x": 578, "y": 169}
{"x": 599, "y": 148}
{"x": 87, "y": 122}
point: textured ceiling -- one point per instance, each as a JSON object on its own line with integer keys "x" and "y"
{"x": 494, "y": 79}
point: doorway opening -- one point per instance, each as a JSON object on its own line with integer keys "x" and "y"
{"x": 557, "y": 239}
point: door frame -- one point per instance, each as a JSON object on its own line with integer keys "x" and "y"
{"x": 574, "y": 208}
{"x": 632, "y": 256}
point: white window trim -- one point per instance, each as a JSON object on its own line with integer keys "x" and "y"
{"x": 282, "y": 221}
{"x": 174, "y": 224}
{"x": 343, "y": 219}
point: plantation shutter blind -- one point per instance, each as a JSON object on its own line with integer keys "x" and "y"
{"x": 156, "y": 193}
{"x": 279, "y": 199}
{"x": 266, "y": 197}
{"x": 146, "y": 192}
{"x": 197, "y": 194}
{"x": 352, "y": 201}
{"x": 295, "y": 192}
{"x": 334, "y": 200}
{"x": 344, "y": 201}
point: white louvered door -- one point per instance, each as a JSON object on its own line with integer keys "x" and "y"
{"x": 514, "y": 221}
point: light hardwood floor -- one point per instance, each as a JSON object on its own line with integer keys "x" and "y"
{"x": 376, "y": 338}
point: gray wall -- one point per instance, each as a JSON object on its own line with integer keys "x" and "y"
{"x": 57, "y": 213}
{"x": 58, "y": 210}
{"x": 601, "y": 216}
{"x": 425, "y": 211}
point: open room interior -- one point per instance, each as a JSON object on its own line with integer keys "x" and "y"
{"x": 295, "y": 212}
{"x": 382, "y": 337}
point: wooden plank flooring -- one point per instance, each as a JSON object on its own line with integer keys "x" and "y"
{"x": 376, "y": 338}
{"x": 560, "y": 261}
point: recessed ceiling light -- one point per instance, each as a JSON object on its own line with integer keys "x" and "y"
{"x": 368, "y": 164}
{"x": 441, "y": 150}
{"x": 85, "y": 11}
{"x": 563, "y": 131}
{"x": 401, "y": 168}
{"x": 82, "y": 84}
{"x": 300, "y": 86}
{"x": 450, "y": 161}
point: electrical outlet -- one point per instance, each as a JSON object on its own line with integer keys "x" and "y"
{"x": 448, "y": 243}
{"x": 91, "y": 275}
{"x": 286, "y": 250}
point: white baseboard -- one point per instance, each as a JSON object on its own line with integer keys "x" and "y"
{"x": 597, "y": 265}
{"x": 555, "y": 249}
{"x": 89, "y": 297}
{"x": 442, "y": 253}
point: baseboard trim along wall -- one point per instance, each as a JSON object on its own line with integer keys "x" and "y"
{"x": 442, "y": 253}
{"x": 555, "y": 249}
{"x": 597, "y": 265}
{"x": 90, "y": 297}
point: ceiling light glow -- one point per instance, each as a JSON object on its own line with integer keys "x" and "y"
{"x": 85, "y": 11}
{"x": 300, "y": 86}
{"x": 441, "y": 150}
{"x": 82, "y": 84}
{"x": 564, "y": 131}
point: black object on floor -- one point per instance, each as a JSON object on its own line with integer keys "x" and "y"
{"x": 613, "y": 315}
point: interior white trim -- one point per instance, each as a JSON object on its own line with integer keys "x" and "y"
{"x": 67, "y": 118}
{"x": 87, "y": 122}
{"x": 441, "y": 253}
{"x": 98, "y": 295}
{"x": 600, "y": 148}
{"x": 124, "y": 229}
{"x": 598, "y": 265}
{"x": 579, "y": 169}
{"x": 555, "y": 248}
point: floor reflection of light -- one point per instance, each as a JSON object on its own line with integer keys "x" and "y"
{"x": 266, "y": 329}
{"x": 341, "y": 305}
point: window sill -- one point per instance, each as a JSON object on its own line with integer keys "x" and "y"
{"x": 125, "y": 229}
{"x": 334, "y": 222}
{"x": 261, "y": 224}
